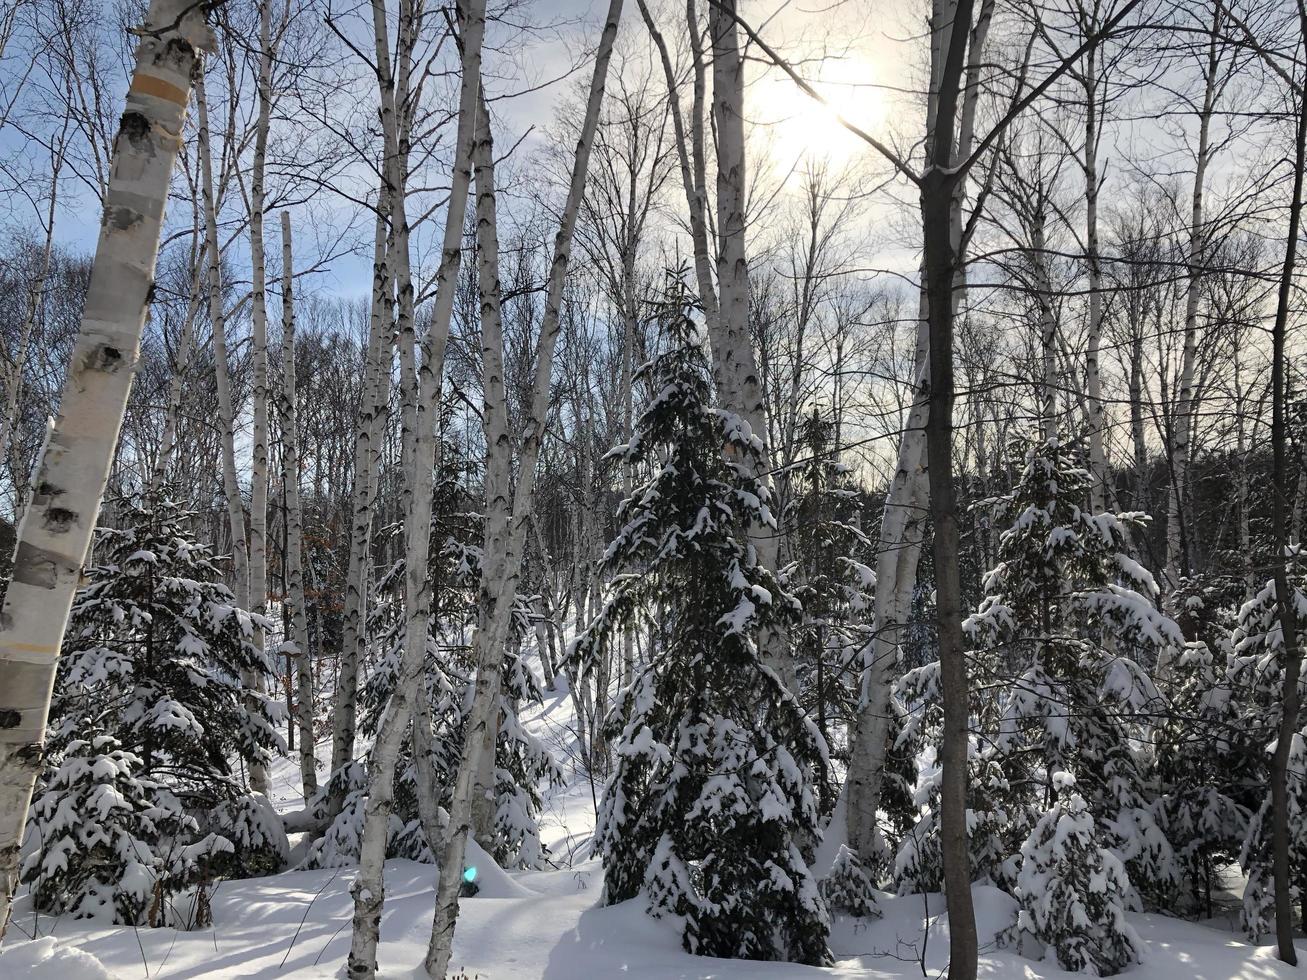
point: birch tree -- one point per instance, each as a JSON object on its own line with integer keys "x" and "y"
{"x": 222, "y": 376}
{"x": 488, "y": 644}
{"x": 298, "y": 645}
{"x": 1177, "y": 560}
{"x": 56, "y": 529}
{"x": 368, "y": 889}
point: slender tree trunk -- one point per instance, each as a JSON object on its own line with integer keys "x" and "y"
{"x": 222, "y": 380}
{"x": 1177, "y": 561}
{"x": 899, "y": 546}
{"x": 1292, "y": 653}
{"x": 948, "y": 589}
{"x": 1094, "y": 327}
{"x": 181, "y": 358}
{"x": 259, "y": 317}
{"x": 498, "y": 491}
{"x": 744, "y": 394}
{"x": 367, "y": 446}
{"x": 941, "y": 260}
{"x": 898, "y": 551}
{"x": 1048, "y": 333}
{"x": 290, "y": 464}
{"x": 35, "y": 292}
{"x": 368, "y": 889}
{"x": 56, "y": 528}
{"x": 488, "y": 648}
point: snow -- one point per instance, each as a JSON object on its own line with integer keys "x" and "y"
{"x": 549, "y": 925}
{"x": 50, "y": 959}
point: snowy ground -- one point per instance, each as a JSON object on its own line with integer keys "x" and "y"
{"x": 545, "y": 925}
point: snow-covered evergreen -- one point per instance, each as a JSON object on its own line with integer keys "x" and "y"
{"x": 830, "y": 576}
{"x": 152, "y": 730}
{"x": 847, "y": 887}
{"x": 1059, "y": 641}
{"x": 111, "y": 843}
{"x": 1073, "y": 891}
{"x": 155, "y": 653}
{"x": 711, "y": 811}
{"x": 1256, "y": 676}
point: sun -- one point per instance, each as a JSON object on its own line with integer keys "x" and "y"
{"x": 800, "y": 130}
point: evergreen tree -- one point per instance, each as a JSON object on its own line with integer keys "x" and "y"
{"x": 1204, "y": 762}
{"x": 1255, "y": 674}
{"x": 1073, "y": 892}
{"x": 110, "y": 842}
{"x": 154, "y": 654}
{"x": 827, "y": 578}
{"x": 848, "y": 887}
{"x": 150, "y": 685}
{"x": 711, "y": 811}
{"x": 1058, "y": 643}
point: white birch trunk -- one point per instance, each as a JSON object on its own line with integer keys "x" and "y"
{"x": 690, "y": 155}
{"x": 1048, "y": 336}
{"x": 290, "y": 463}
{"x": 181, "y": 357}
{"x": 1185, "y": 402}
{"x": 744, "y": 395}
{"x": 57, "y": 526}
{"x": 222, "y": 381}
{"x": 259, "y": 317}
{"x": 488, "y": 648}
{"x": 367, "y": 445}
{"x": 368, "y": 889}
{"x": 1094, "y": 327}
{"x": 14, "y": 378}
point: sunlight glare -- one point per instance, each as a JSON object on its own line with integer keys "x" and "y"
{"x": 802, "y": 130}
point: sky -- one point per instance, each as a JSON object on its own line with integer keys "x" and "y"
{"x": 857, "y": 40}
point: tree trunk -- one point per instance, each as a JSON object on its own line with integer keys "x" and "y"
{"x": 181, "y": 358}
{"x": 290, "y": 464}
{"x": 368, "y": 889}
{"x": 733, "y": 352}
{"x": 487, "y": 655}
{"x": 1094, "y": 327}
{"x": 222, "y": 380}
{"x": 941, "y": 261}
{"x": 899, "y": 546}
{"x": 1177, "y": 558}
{"x": 367, "y": 445}
{"x": 57, "y": 526}
{"x": 259, "y": 317}
{"x": 1292, "y": 653}
{"x": 488, "y": 648}
{"x": 14, "y": 380}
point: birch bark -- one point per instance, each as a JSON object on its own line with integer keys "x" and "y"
{"x": 181, "y": 360}
{"x": 1177, "y": 560}
{"x": 367, "y": 445}
{"x": 1094, "y": 327}
{"x": 368, "y": 889}
{"x": 14, "y": 376}
{"x": 56, "y": 528}
{"x": 488, "y": 646}
{"x": 222, "y": 380}
{"x": 733, "y": 352}
{"x": 259, "y": 316}
{"x": 290, "y": 463}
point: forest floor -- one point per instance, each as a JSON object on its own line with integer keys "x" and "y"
{"x": 545, "y": 924}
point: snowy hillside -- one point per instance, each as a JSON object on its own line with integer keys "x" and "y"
{"x": 547, "y": 924}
